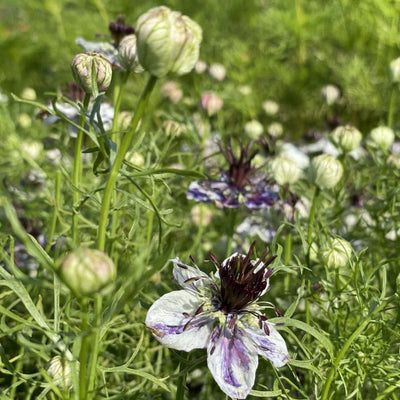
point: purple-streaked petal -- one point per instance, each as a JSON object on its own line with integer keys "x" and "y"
{"x": 223, "y": 194}
{"x": 232, "y": 360}
{"x": 171, "y": 320}
{"x": 260, "y": 195}
{"x": 272, "y": 346}
{"x": 187, "y": 276}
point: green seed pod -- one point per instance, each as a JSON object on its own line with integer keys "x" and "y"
{"x": 86, "y": 271}
{"x": 285, "y": 170}
{"x": 326, "y": 171}
{"x": 92, "y": 72}
{"x": 167, "y": 41}
{"x": 60, "y": 371}
{"x": 127, "y": 54}
{"x": 381, "y": 137}
{"x": 347, "y": 137}
{"x": 336, "y": 253}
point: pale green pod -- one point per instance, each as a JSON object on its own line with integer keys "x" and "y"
{"x": 326, "y": 171}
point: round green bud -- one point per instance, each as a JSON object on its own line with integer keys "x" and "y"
{"x": 270, "y": 107}
{"x": 167, "y": 41}
{"x": 381, "y": 137}
{"x": 91, "y": 69}
{"x": 275, "y": 129}
{"x": 394, "y": 161}
{"x": 60, "y": 371}
{"x": 253, "y": 128}
{"x": 326, "y": 171}
{"x": 127, "y": 54}
{"x": 336, "y": 252}
{"x": 86, "y": 271}
{"x": 285, "y": 170}
{"x": 331, "y": 94}
{"x": 346, "y": 137}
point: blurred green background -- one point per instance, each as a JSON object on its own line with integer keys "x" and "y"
{"x": 284, "y": 50}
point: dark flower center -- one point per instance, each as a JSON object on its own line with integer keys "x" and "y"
{"x": 240, "y": 168}
{"x": 119, "y": 29}
{"x": 242, "y": 280}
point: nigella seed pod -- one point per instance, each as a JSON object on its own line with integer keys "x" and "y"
{"x": 347, "y": 137}
{"x": 92, "y": 72}
{"x": 336, "y": 253}
{"x": 86, "y": 271}
{"x": 60, "y": 371}
{"x": 167, "y": 41}
{"x": 285, "y": 170}
{"x": 381, "y": 138}
{"x": 326, "y": 171}
{"x": 254, "y": 129}
{"x": 127, "y": 54}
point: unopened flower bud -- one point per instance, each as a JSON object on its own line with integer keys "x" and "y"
{"x": 275, "y": 129}
{"x": 394, "y": 160}
{"x": 200, "y": 67}
{"x": 285, "y": 170}
{"x": 86, "y": 271}
{"x": 29, "y": 94}
{"x": 330, "y": 94}
{"x": 347, "y": 137}
{"x": 381, "y": 137}
{"x": 127, "y": 54}
{"x": 211, "y": 103}
{"x": 172, "y": 128}
{"x": 270, "y": 107}
{"x": 336, "y": 252}
{"x": 167, "y": 41}
{"x": 171, "y": 91}
{"x": 217, "y": 72}
{"x": 60, "y": 371}
{"x": 91, "y": 69}
{"x": 326, "y": 171}
{"x": 253, "y": 129}
{"x": 394, "y": 69}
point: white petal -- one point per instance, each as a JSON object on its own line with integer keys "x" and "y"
{"x": 272, "y": 346}
{"x": 187, "y": 276}
{"x": 171, "y": 321}
{"x": 232, "y": 360}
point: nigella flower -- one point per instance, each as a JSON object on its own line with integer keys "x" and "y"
{"x": 239, "y": 185}
{"x": 220, "y": 313}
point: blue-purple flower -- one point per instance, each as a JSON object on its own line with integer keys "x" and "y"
{"x": 240, "y": 184}
{"x": 220, "y": 313}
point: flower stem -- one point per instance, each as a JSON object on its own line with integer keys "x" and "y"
{"x": 83, "y": 355}
{"x": 95, "y": 348}
{"x": 53, "y": 225}
{"x": 311, "y": 220}
{"x": 391, "y": 106}
{"x": 287, "y": 254}
{"x": 77, "y": 171}
{"x": 122, "y": 150}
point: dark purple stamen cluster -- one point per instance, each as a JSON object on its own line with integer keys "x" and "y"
{"x": 240, "y": 284}
{"x": 119, "y": 29}
{"x": 240, "y": 169}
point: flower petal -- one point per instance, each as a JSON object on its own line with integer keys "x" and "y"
{"x": 171, "y": 320}
{"x": 272, "y": 346}
{"x": 188, "y": 277}
{"x": 232, "y": 360}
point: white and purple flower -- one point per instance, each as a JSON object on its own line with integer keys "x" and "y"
{"x": 220, "y": 313}
{"x": 240, "y": 184}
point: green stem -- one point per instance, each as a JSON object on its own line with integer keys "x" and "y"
{"x": 77, "y": 171}
{"x": 96, "y": 347}
{"x": 311, "y": 220}
{"x": 122, "y": 150}
{"x": 391, "y": 105}
{"x": 53, "y": 225}
{"x": 342, "y": 353}
{"x": 115, "y": 137}
{"x": 83, "y": 355}
{"x": 286, "y": 257}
